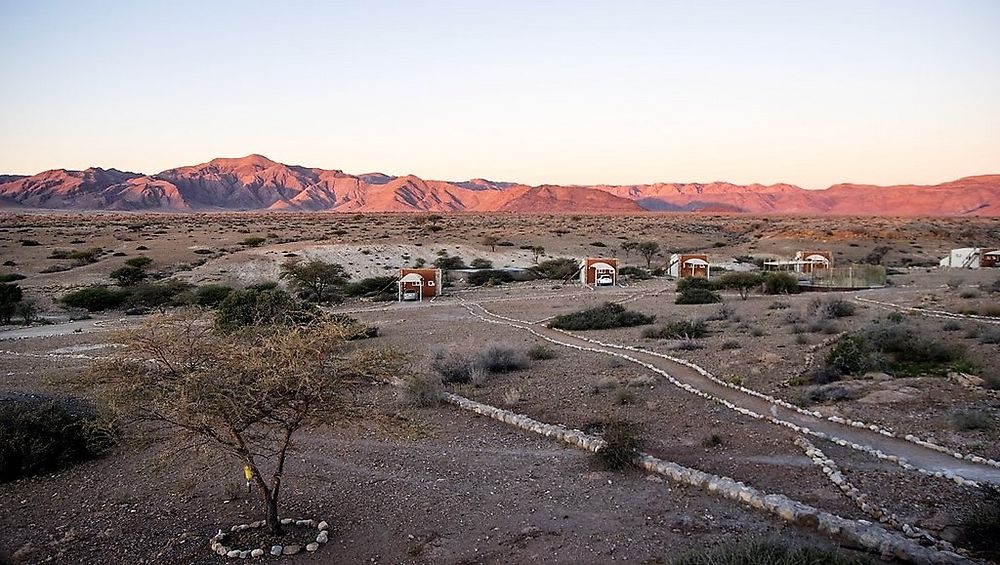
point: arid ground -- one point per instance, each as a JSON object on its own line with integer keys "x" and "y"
{"x": 401, "y": 484}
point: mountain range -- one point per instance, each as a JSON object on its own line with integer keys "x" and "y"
{"x": 258, "y": 183}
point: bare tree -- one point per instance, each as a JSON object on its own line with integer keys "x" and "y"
{"x": 246, "y": 393}
{"x": 537, "y": 251}
{"x": 628, "y": 247}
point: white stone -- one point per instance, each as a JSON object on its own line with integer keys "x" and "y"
{"x": 276, "y": 549}
{"x": 312, "y": 546}
{"x": 257, "y": 552}
{"x": 233, "y": 554}
{"x": 323, "y": 537}
{"x": 323, "y": 525}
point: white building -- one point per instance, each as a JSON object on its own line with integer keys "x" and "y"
{"x": 972, "y": 258}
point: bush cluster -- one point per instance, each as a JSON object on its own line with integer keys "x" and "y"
{"x": 605, "y": 316}
{"x": 489, "y": 277}
{"x": 556, "y": 269}
{"x": 623, "y": 441}
{"x": 781, "y": 283}
{"x": 44, "y": 436}
{"x": 769, "y": 552}
{"x": 698, "y": 296}
{"x": 463, "y": 368}
{"x": 148, "y": 295}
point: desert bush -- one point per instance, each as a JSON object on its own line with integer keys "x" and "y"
{"x": 829, "y": 393}
{"x": 698, "y": 296}
{"x": 140, "y": 262}
{"x": 769, "y": 552}
{"x": 634, "y": 273}
{"x": 156, "y": 295}
{"x": 422, "y": 390}
{"x": 556, "y": 269}
{"x": 966, "y": 294}
{"x": 211, "y": 295}
{"x": 687, "y": 344}
{"x": 980, "y": 530}
{"x": 778, "y": 305}
{"x": 373, "y": 287}
{"x": 781, "y": 283}
{"x": 44, "y": 436}
{"x": 606, "y": 316}
{"x": 481, "y": 264}
{"x": 685, "y": 329}
{"x": 30, "y": 243}
{"x": 951, "y": 326}
{"x": 81, "y": 257}
{"x": 831, "y": 308}
{"x": 128, "y": 275}
{"x": 489, "y": 277}
{"x": 251, "y": 307}
{"x": 966, "y": 420}
{"x": 686, "y": 284}
{"x": 8, "y": 278}
{"x": 730, "y": 344}
{"x": 253, "y": 241}
{"x": 448, "y": 263}
{"x": 315, "y": 280}
{"x": 502, "y": 359}
{"x": 27, "y": 310}
{"x": 94, "y": 298}
{"x": 713, "y": 440}
{"x": 540, "y": 352}
{"x": 10, "y": 296}
{"x": 623, "y": 440}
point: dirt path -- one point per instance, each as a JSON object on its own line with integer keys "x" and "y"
{"x": 920, "y": 457}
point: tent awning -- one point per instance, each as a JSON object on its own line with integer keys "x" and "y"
{"x": 696, "y": 263}
{"x": 602, "y": 267}
{"x": 412, "y": 278}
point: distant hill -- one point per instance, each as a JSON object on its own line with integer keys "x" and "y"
{"x": 258, "y": 183}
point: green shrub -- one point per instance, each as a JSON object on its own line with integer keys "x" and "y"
{"x": 372, "y": 287}
{"x": 140, "y": 262}
{"x": 781, "y": 283}
{"x": 128, "y": 275}
{"x": 211, "y": 295}
{"x": 44, "y": 436}
{"x": 691, "y": 283}
{"x": 634, "y": 273}
{"x": 556, "y": 269}
{"x": 606, "y": 316}
{"x": 623, "y": 442}
{"x": 850, "y": 354}
{"x": 10, "y": 297}
{"x": 698, "y": 296}
{"x": 251, "y": 307}
{"x": 448, "y": 263}
{"x": 460, "y": 367}
{"x": 896, "y": 348}
{"x": 11, "y": 277}
{"x": 156, "y": 295}
{"x": 94, "y": 299}
{"x": 686, "y": 329}
{"x": 769, "y": 552}
{"x": 481, "y": 264}
{"x": 501, "y": 359}
{"x": 489, "y": 277}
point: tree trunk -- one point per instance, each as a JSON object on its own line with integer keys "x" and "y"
{"x": 271, "y": 516}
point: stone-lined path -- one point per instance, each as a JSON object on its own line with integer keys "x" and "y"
{"x": 905, "y": 452}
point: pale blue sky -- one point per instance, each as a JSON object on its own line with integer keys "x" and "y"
{"x": 806, "y": 92}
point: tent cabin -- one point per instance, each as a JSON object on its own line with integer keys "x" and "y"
{"x": 809, "y": 261}
{"x": 972, "y": 258}
{"x": 689, "y": 265}
{"x": 417, "y": 284}
{"x": 599, "y": 271}
{"x": 805, "y": 262}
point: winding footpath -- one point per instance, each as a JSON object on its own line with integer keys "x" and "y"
{"x": 908, "y": 452}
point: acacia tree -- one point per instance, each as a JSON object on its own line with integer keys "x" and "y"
{"x": 247, "y": 393}
{"x": 741, "y": 282}
{"x": 628, "y": 247}
{"x": 316, "y": 280}
{"x": 648, "y": 249}
{"x": 491, "y": 241}
{"x": 537, "y": 251}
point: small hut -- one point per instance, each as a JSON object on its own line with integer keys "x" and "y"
{"x": 689, "y": 265}
{"x": 809, "y": 261}
{"x": 599, "y": 271}
{"x": 417, "y": 284}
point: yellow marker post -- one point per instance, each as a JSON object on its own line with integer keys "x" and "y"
{"x": 248, "y": 473}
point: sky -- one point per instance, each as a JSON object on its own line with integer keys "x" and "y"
{"x": 576, "y": 92}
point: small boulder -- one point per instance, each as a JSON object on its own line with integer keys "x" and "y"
{"x": 323, "y": 526}
{"x": 257, "y": 552}
{"x": 291, "y": 549}
{"x": 323, "y": 537}
{"x": 233, "y": 554}
{"x": 276, "y": 550}
{"x": 312, "y": 547}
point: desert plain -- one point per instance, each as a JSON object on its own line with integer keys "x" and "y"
{"x": 408, "y": 484}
